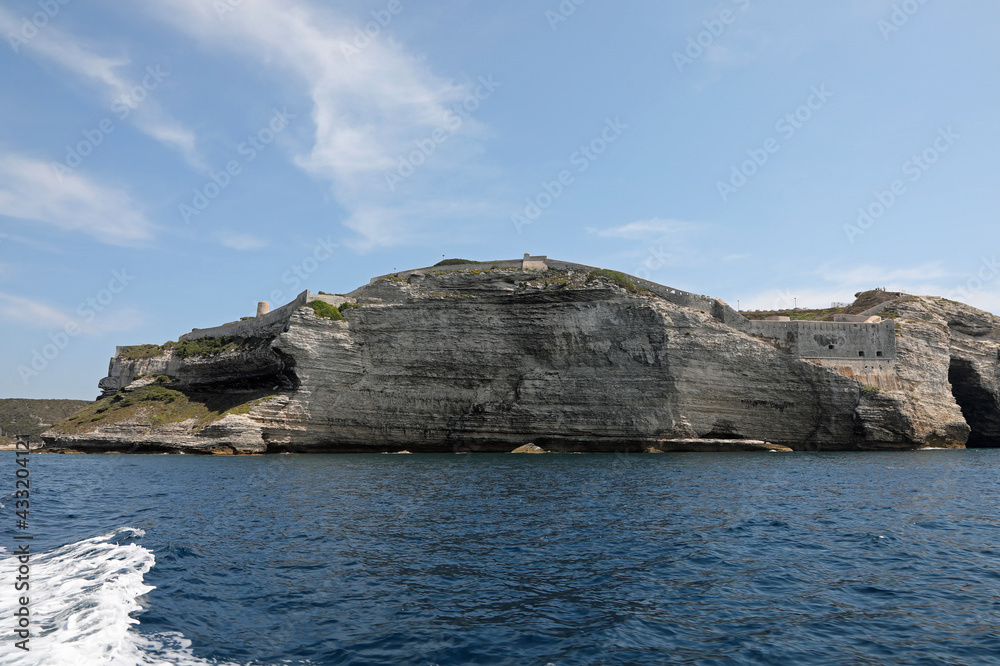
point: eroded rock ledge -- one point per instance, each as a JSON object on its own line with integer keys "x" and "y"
{"x": 490, "y": 357}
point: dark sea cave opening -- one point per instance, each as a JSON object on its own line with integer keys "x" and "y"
{"x": 979, "y": 405}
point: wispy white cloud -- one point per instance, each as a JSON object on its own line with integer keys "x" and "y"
{"x": 29, "y": 313}
{"x": 770, "y": 32}
{"x": 68, "y": 51}
{"x": 656, "y": 244}
{"x": 30, "y": 190}
{"x": 242, "y": 242}
{"x": 404, "y": 222}
{"x": 985, "y": 300}
{"x": 785, "y": 299}
{"x": 16, "y": 309}
{"x": 151, "y": 120}
{"x": 369, "y": 105}
{"x": 839, "y": 285}
{"x": 880, "y": 276}
{"x": 817, "y": 297}
{"x": 655, "y": 230}
{"x": 32, "y": 242}
{"x": 114, "y": 321}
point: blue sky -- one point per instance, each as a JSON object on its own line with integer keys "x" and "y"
{"x": 165, "y": 167}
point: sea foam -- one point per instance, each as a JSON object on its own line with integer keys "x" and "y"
{"x": 82, "y": 597}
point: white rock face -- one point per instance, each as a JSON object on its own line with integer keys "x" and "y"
{"x": 490, "y": 361}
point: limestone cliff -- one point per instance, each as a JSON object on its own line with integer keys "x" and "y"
{"x": 492, "y": 357}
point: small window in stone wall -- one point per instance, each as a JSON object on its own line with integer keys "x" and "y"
{"x": 878, "y": 353}
{"x": 861, "y": 353}
{"x": 831, "y": 346}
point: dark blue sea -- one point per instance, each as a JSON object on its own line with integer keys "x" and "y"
{"x": 561, "y": 559}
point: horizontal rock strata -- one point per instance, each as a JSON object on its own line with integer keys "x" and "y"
{"x": 492, "y": 359}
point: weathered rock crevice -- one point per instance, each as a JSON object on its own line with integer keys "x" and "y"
{"x": 977, "y": 401}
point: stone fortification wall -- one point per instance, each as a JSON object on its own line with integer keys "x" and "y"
{"x": 539, "y": 263}
{"x": 264, "y": 326}
{"x": 864, "y": 319}
{"x": 830, "y": 340}
{"x": 336, "y": 300}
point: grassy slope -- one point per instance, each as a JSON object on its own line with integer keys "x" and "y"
{"x": 159, "y": 405}
{"x": 864, "y": 301}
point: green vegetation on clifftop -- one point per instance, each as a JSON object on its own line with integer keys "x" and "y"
{"x": 205, "y": 346}
{"x": 455, "y": 262}
{"x": 325, "y": 310}
{"x": 802, "y": 314}
{"x": 159, "y": 405}
{"x": 616, "y": 278}
{"x": 864, "y": 301}
{"x": 184, "y": 348}
{"x": 138, "y": 352}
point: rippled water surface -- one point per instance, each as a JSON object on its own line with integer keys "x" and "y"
{"x": 500, "y": 559}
